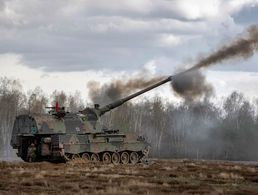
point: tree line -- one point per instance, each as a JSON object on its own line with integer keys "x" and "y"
{"x": 195, "y": 130}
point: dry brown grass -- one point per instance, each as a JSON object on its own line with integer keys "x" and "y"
{"x": 162, "y": 177}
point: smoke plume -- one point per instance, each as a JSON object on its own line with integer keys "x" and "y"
{"x": 191, "y": 84}
{"x": 118, "y": 88}
{"x": 241, "y": 47}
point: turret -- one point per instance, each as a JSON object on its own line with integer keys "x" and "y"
{"x": 102, "y": 110}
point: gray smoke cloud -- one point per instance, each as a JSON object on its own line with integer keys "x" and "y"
{"x": 118, "y": 88}
{"x": 191, "y": 84}
{"x": 241, "y": 47}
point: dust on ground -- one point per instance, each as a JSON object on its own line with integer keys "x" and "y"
{"x": 160, "y": 177}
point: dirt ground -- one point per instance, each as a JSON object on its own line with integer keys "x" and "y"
{"x": 159, "y": 177}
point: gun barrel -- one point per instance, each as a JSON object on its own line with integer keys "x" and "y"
{"x": 146, "y": 89}
{"x": 115, "y": 104}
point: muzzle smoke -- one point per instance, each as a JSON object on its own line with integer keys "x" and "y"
{"x": 117, "y": 88}
{"x": 191, "y": 84}
{"x": 241, "y": 47}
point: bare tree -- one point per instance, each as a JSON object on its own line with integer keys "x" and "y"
{"x": 10, "y": 98}
{"x": 75, "y": 102}
{"x": 37, "y": 101}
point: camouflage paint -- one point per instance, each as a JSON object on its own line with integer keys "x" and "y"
{"x": 60, "y": 134}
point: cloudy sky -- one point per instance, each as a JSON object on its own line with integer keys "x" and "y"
{"x": 62, "y": 44}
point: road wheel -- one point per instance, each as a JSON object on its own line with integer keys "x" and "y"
{"x": 115, "y": 158}
{"x": 134, "y": 158}
{"x": 125, "y": 158}
{"x": 86, "y": 156}
{"x": 94, "y": 157}
{"x": 106, "y": 158}
{"x": 75, "y": 156}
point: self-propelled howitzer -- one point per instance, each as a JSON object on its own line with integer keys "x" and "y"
{"x": 62, "y": 136}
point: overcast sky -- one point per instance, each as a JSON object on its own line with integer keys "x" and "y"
{"x": 62, "y": 44}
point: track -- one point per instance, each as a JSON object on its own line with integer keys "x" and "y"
{"x": 160, "y": 177}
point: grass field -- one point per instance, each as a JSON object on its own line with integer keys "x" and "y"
{"x": 160, "y": 177}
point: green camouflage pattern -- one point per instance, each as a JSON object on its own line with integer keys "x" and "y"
{"x": 60, "y": 135}
{"x": 69, "y": 135}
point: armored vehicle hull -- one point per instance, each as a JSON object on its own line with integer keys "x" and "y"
{"x": 72, "y": 136}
